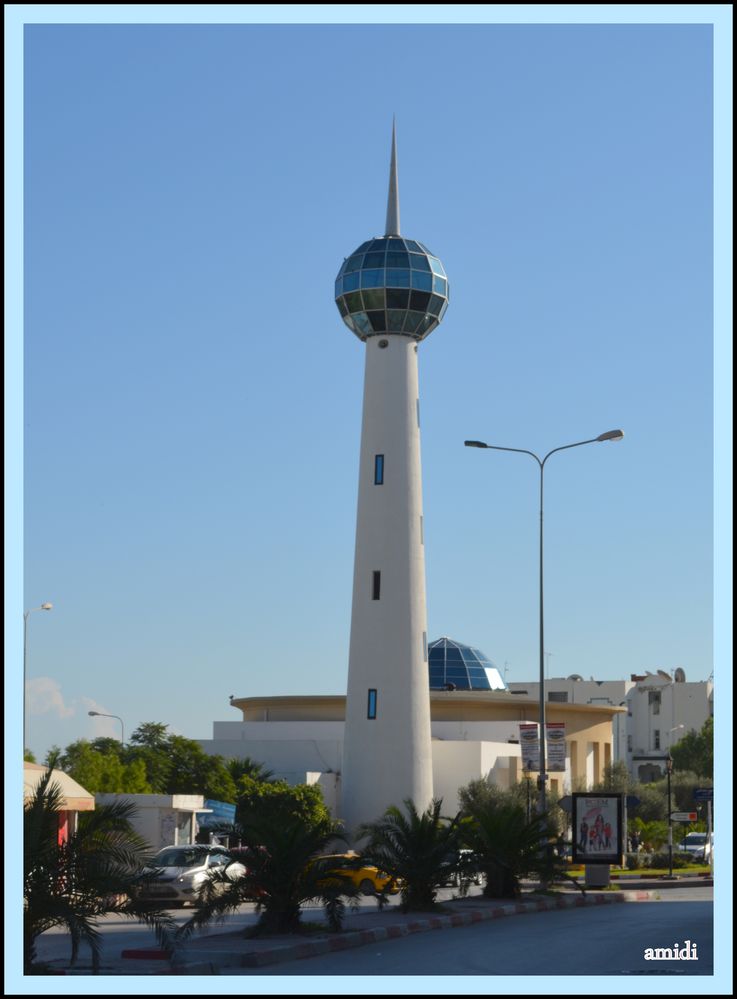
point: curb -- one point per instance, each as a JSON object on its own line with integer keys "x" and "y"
{"x": 195, "y": 962}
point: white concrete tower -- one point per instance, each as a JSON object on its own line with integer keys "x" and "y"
{"x": 391, "y": 292}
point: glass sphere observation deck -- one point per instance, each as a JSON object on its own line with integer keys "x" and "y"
{"x": 392, "y": 285}
{"x": 454, "y": 666}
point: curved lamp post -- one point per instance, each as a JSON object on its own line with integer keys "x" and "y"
{"x": 101, "y": 714}
{"x": 610, "y": 435}
{"x": 26, "y": 615}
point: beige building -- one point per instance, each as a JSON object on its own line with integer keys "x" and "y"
{"x": 474, "y": 734}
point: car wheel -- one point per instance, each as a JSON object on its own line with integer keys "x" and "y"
{"x": 366, "y": 887}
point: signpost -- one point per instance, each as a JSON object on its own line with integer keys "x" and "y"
{"x": 684, "y": 816}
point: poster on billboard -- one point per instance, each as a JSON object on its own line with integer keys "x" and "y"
{"x": 529, "y": 746}
{"x": 597, "y": 828}
{"x": 555, "y": 746}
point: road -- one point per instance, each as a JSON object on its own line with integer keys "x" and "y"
{"x": 610, "y": 940}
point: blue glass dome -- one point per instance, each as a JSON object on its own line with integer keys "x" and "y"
{"x": 462, "y": 666}
{"x": 391, "y": 285}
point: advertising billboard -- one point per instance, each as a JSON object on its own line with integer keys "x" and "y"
{"x": 597, "y": 828}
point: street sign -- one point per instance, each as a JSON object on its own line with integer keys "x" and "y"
{"x": 703, "y": 794}
{"x": 684, "y": 816}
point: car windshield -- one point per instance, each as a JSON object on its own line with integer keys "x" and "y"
{"x": 695, "y": 839}
{"x": 180, "y": 857}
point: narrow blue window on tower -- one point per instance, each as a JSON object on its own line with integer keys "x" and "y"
{"x": 379, "y": 470}
{"x": 371, "y": 711}
{"x": 376, "y": 586}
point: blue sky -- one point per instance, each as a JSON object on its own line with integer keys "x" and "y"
{"x": 193, "y": 401}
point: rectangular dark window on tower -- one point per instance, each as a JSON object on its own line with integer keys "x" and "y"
{"x": 379, "y": 470}
{"x": 371, "y": 711}
{"x": 376, "y": 586}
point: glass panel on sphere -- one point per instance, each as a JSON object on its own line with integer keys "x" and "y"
{"x": 397, "y": 260}
{"x": 453, "y": 655}
{"x": 437, "y": 266}
{"x": 378, "y": 321}
{"x": 440, "y": 285}
{"x": 422, "y": 280}
{"x": 412, "y": 321}
{"x": 353, "y": 263}
{"x": 363, "y": 247}
{"x": 338, "y": 287}
{"x": 342, "y": 308}
{"x": 342, "y": 269}
{"x": 436, "y": 304}
{"x": 443, "y": 310}
{"x": 397, "y": 298}
{"x": 479, "y": 684}
{"x": 373, "y": 260}
{"x": 419, "y": 262}
{"x": 469, "y": 657}
{"x": 397, "y": 278}
{"x": 379, "y": 244}
{"x": 419, "y": 300}
{"x": 349, "y": 323}
{"x": 428, "y": 323}
{"x": 373, "y": 299}
{"x": 395, "y": 320}
{"x": 396, "y": 245}
{"x": 354, "y": 302}
{"x": 412, "y": 245}
{"x": 350, "y": 281}
{"x": 372, "y": 279}
{"x": 362, "y": 323}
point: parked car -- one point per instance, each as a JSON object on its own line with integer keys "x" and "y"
{"x": 466, "y": 871}
{"x": 177, "y": 874}
{"x": 368, "y": 879}
{"x": 699, "y": 845}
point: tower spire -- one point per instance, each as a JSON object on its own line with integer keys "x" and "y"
{"x": 392, "y": 208}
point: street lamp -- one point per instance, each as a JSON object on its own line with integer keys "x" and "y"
{"x": 669, "y": 771}
{"x": 26, "y": 615}
{"x": 610, "y": 435}
{"x": 100, "y": 714}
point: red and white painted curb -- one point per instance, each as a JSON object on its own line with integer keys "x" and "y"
{"x": 193, "y": 960}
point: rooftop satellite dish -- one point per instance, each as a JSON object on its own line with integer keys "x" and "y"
{"x": 666, "y": 676}
{"x": 679, "y": 675}
{"x": 575, "y": 676}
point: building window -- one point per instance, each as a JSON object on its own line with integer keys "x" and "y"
{"x": 629, "y": 743}
{"x": 653, "y": 698}
{"x": 656, "y": 738}
{"x": 371, "y": 710}
{"x": 558, "y": 696}
{"x": 379, "y": 470}
{"x": 376, "y": 586}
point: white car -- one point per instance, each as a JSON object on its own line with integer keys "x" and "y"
{"x": 177, "y": 874}
{"x": 699, "y": 845}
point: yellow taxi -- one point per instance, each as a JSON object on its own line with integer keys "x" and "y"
{"x": 368, "y": 879}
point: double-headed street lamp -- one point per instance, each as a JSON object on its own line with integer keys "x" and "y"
{"x": 101, "y": 714}
{"x": 26, "y": 615}
{"x": 610, "y": 435}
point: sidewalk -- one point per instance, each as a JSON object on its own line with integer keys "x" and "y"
{"x": 215, "y": 953}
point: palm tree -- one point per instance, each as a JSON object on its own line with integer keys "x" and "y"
{"x": 284, "y": 868}
{"x": 419, "y": 851}
{"x": 507, "y": 846}
{"x": 73, "y": 884}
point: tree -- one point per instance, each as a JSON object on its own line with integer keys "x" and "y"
{"x": 284, "y": 869}
{"x": 695, "y": 751}
{"x": 193, "y": 771}
{"x": 278, "y": 800}
{"x": 151, "y": 735}
{"x": 28, "y": 756}
{"x": 73, "y": 884}
{"x": 247, "y": 767}
{"x": 616, "y": 778}
{"x": 419, "y": 851}
{"x": 507, "y": 846}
